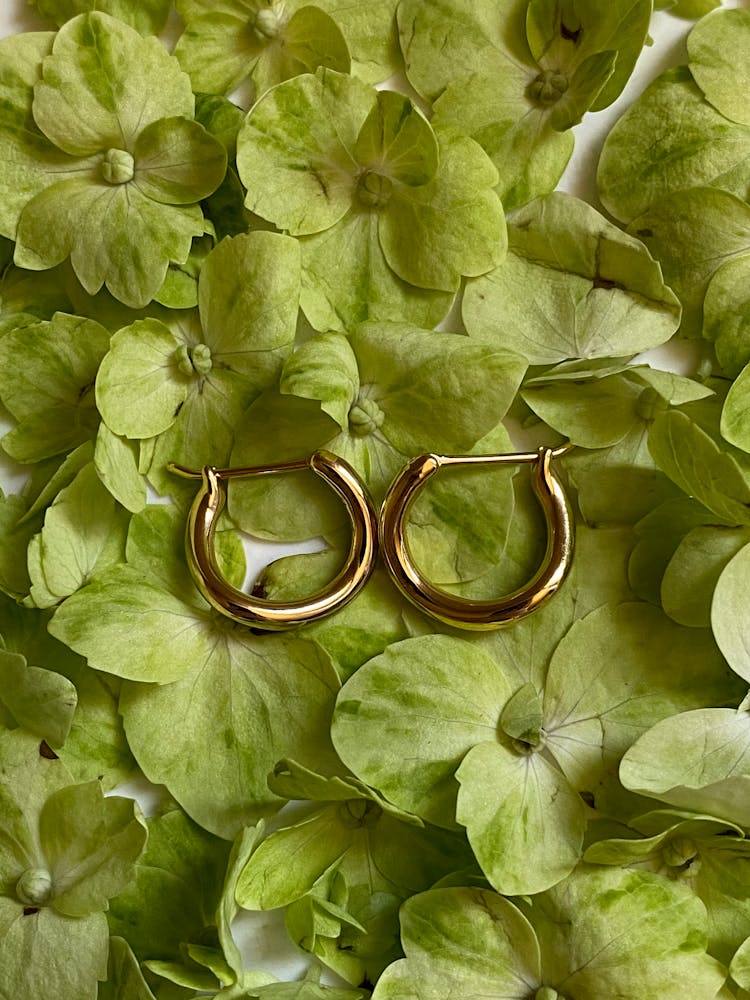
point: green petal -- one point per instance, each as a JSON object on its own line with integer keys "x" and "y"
{"x": 690, "y": 578}
{"x": 530, "y": 155}
{"x": 124, "y": 978}
{"x": 271, "y": 698}
{"x": 41, "y": 701}
{"x": 91, "y": 843}
{"x": 454, "y": 225}
{"x": 727, "y": 615}
{"x": 640, "y": 932}
{"x": 726, "y": 315}
{"x": 325, "y": 368}
{"x": 686, "y": 444}
{"x": 692, "y": 233}
{"x": 295, "y": 151}
{"x": 723, "y": 79}
{"x": 524, "y": 821}
{"x": 139, "y": 386}
{"x": 572, "y": 286}
{"x": 642, "y": 161}
{"x": 127, "y": 241}
{"x": 177, "y": 162}
{"x": 397, "y": 141}
{"x": 697, "y": 760}
{"x": 104, "y": 83}
{"x": 148, "y": 16}
{"x": 47, "y": 373}
{"x": 83, "y": 533}
{"x": 97, "y": 622}
{"x": 463, "y": 943}
{"x": 346, "y": 280}
{"x": 407, "y": 718}
{"x": 174, "y": 891}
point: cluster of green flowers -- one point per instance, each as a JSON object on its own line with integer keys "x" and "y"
{"x": 558, "y": 809}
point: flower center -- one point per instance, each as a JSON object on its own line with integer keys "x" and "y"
{"x": 34, "y": 887}
{"x": 118, "y": 166}
{"x": 529, "y": 745}
{"x": 548, "y": 87}
{"x": 365, "y": 417}
{"x": 679, "y": 853}
{"x": 374, "y": 190}
{"x": 360, "y": 812}
{"x": 267, "y": 24}
{"x": 194, "y": 360}
{"x": 650, "y": 404}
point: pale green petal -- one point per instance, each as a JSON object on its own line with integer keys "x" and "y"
{"x": 177, "y": 162}
{"x": 687, "y": 446}
{"x": 407, "y": 718}
{"x": 728, "y": 618}
{"x": 116, "y": 461}
{"x": 148, "y": 16}
{"x": 697, "y": 760}
{"x": 99, "y": 622}
{"x": 618, "y": 671}
{"x": 104, "y": 83}
{"x": 46, "y": 374}
{"x": 29, "y": 161}
{"x": 140, "y": 385}
{"x": 719, "y": 56}
{"x": 124, "y": 978}
{"x": 126, "y": 241}
{"x": 692, "y": 233}
{"x": 643, "y": 159}
{"x": 324, "y": 368}
{"x": 690, "y": 578}
{"x": 397, "y": 142}
{"x": 346, "y": 280}
{"x": 524, "y": 821}
{"x": 271, "y": 697}
{"x": 41, "y": 701}
{"x": 216, "y": 49}
{"x": 530, "y": 156}
{"x": 248, "y": 297}
{"x": 309, "y": 39}
{"x": 642, "y": 935}
{"x": 83, "y": 534}
{"x": 288, "y": 863}
{"x": 726, "y": 315}
{"x": 295, "y": 151}
{"x": 31, "y": 948}
{"x": 369, "y": 27}
{"x": 454, "y": 225}
{"x": 572, "y": 286}
{"x": 475, "y": 36}
{"x": 91, "y": 843}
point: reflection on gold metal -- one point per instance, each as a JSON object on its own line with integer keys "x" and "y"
{"x": 457, "y": 611}
{"x": 274, "y": 615}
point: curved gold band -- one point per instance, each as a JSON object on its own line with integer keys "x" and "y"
{"x": 446, "y": 607}
{"x": 272, "y": 615}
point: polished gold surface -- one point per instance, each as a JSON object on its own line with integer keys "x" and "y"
{"x": 457, "y": 611}
{"x": 273, "y": 615}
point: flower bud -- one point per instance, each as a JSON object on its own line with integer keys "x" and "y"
{"x": 118, "y": 166}
{"x": 34, "y": 887}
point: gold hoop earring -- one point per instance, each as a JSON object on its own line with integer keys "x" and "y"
{"x": 457, "y": 611}
{"x": 273, "y": 615}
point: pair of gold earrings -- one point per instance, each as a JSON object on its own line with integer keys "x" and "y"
{"x": 370, "y": 534}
